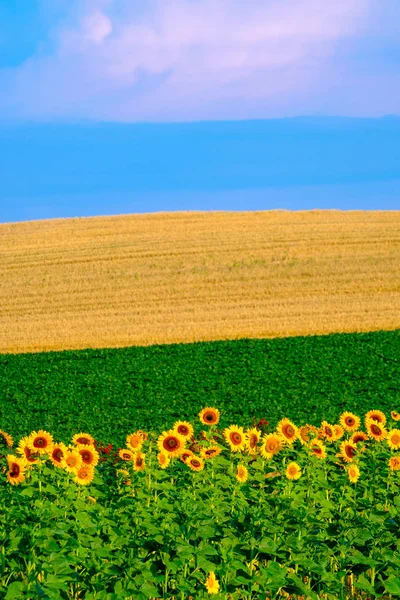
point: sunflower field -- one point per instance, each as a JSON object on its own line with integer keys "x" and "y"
{"x": 200, "y": 509}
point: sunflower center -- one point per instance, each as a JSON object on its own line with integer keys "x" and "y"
{"x": 317, "y": 450}
{"x": 395, "y": 438}
{"x": 57, "y": 455}
{"x": 40, "y": 442}
{"x": 376, "y": 430}
{"x": 253, "y": 441}
{"x": 350, "y": 451}
{"x": 209, "y": 417}
{"x": 350, "y": 421}
{"x": 183, "y": 430}
{"x": 83, "y": 440}
{"x": 236, "y": 438}
{"x": 139, "y": 461}
{"x": 14, "y": 470}
{"x": 171, "y": 443}
{"x": 288, "y": 431}
{"x": 86, "y": 457}
{"x": 195, "y": 463}
{"x": 292, "y": 471}
{"x": 71, "y": 461}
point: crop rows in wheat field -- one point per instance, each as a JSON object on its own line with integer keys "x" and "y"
{"x": 184, "y": 277}
{"x": 113, "y": 390}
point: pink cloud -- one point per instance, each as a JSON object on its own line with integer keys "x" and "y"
{"x": 187, "y": 59}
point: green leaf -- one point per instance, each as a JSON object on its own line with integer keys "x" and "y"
{"x": 15, "y": 591}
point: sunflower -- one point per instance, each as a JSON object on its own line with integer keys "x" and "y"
{"x": 134, "y": 441}
{"x": 393, "y": 439}
{"x": 210, "y": 452}
{"x": 271, "y": 444}
{"x": 123, "y": 474}
{"x": 126, "y": 454}
{"x": 305, "y": 433}
{"x": 144, "y": 435}
{"x": 394, "y": 463}
{"x": 89, "y": 454}
{"x": 83, "y": 438}
{"x": 235, "y": 437}
{"x": 353, "y": 473}
{"x": 293, "y": 471}
{"x": 185, "y": 455}
{"x": 242, "y": 473}
{"x": 209, "y": 416}
{"x": 212, "y": 584}
{"x": 348, "y": 450}
{"x": 252, "y": 437}
{"x": 394, "y": 414}
{"x": 139, "y": 462}
{"x": 24, "y": 450}
{"x": 358, "y": 436}
{"x": 338, "y": 431}
{"x": 72, "y": 460}
{"x": 171, "y": 442}
{"x": 41, "y": 442}
{"x": 327, "y": 431}
{"x": 195, "y": 463}
{"x": 375, "y": 430}
{"x": 57, "y": 454}
{"x": 163, "y": 459}
{"x": 6, "y": 440}
{"x": 16, "y": 469}
{"x": 376, "y": 415}
{"x": 84, "y": 475}
{"x": 318, "y": 449}
{"x": 349, "y": 421}
{"x": 184, "y": 429}
{"x": 287, "y": 431}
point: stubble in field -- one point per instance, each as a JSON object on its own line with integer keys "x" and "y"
{"x": 192, "y": 276}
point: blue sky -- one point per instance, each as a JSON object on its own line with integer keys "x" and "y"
{"x": 110, "y": 106}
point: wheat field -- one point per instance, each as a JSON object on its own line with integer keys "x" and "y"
{"x": 195, "y": 276}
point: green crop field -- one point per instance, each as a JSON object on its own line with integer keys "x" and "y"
{"x": 111, "y": 392}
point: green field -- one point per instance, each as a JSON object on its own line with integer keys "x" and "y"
{"x": 110, "y": 393}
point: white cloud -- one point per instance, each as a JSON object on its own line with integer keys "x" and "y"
{"x": 161, "y": 59}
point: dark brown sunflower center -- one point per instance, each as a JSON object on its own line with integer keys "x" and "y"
{"x": 376, "y": 430}
{"x": 350, "y": 421}
{"x": 328, "y": 431}
{"x": 210, "y": 452}
{"x": 40, "y": 442}
{"x": 350, "y": 451}
{"x": 236, "y": 438}
{"x": 14, "y": 470}
{"x": 171, "y": 443}
{"x": 83, "y": 440}
{"x": 86, "y": 457}
{"x": 126, "y": 456}
{"x": 183, "y": 430}
{"x": 58, "y": 454}
{"x": 195, "y": 463}
{"x": 210, "y": 417}
{"x": 317, "y": 450}
{"x": 139, "y": 461}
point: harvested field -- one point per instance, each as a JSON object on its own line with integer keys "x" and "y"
{"x": 194, "y": 276}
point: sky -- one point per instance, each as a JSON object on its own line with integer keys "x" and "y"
{"x": 140, "y": 106}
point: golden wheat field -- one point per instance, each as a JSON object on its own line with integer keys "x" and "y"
{"x": 195, "y": 276}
